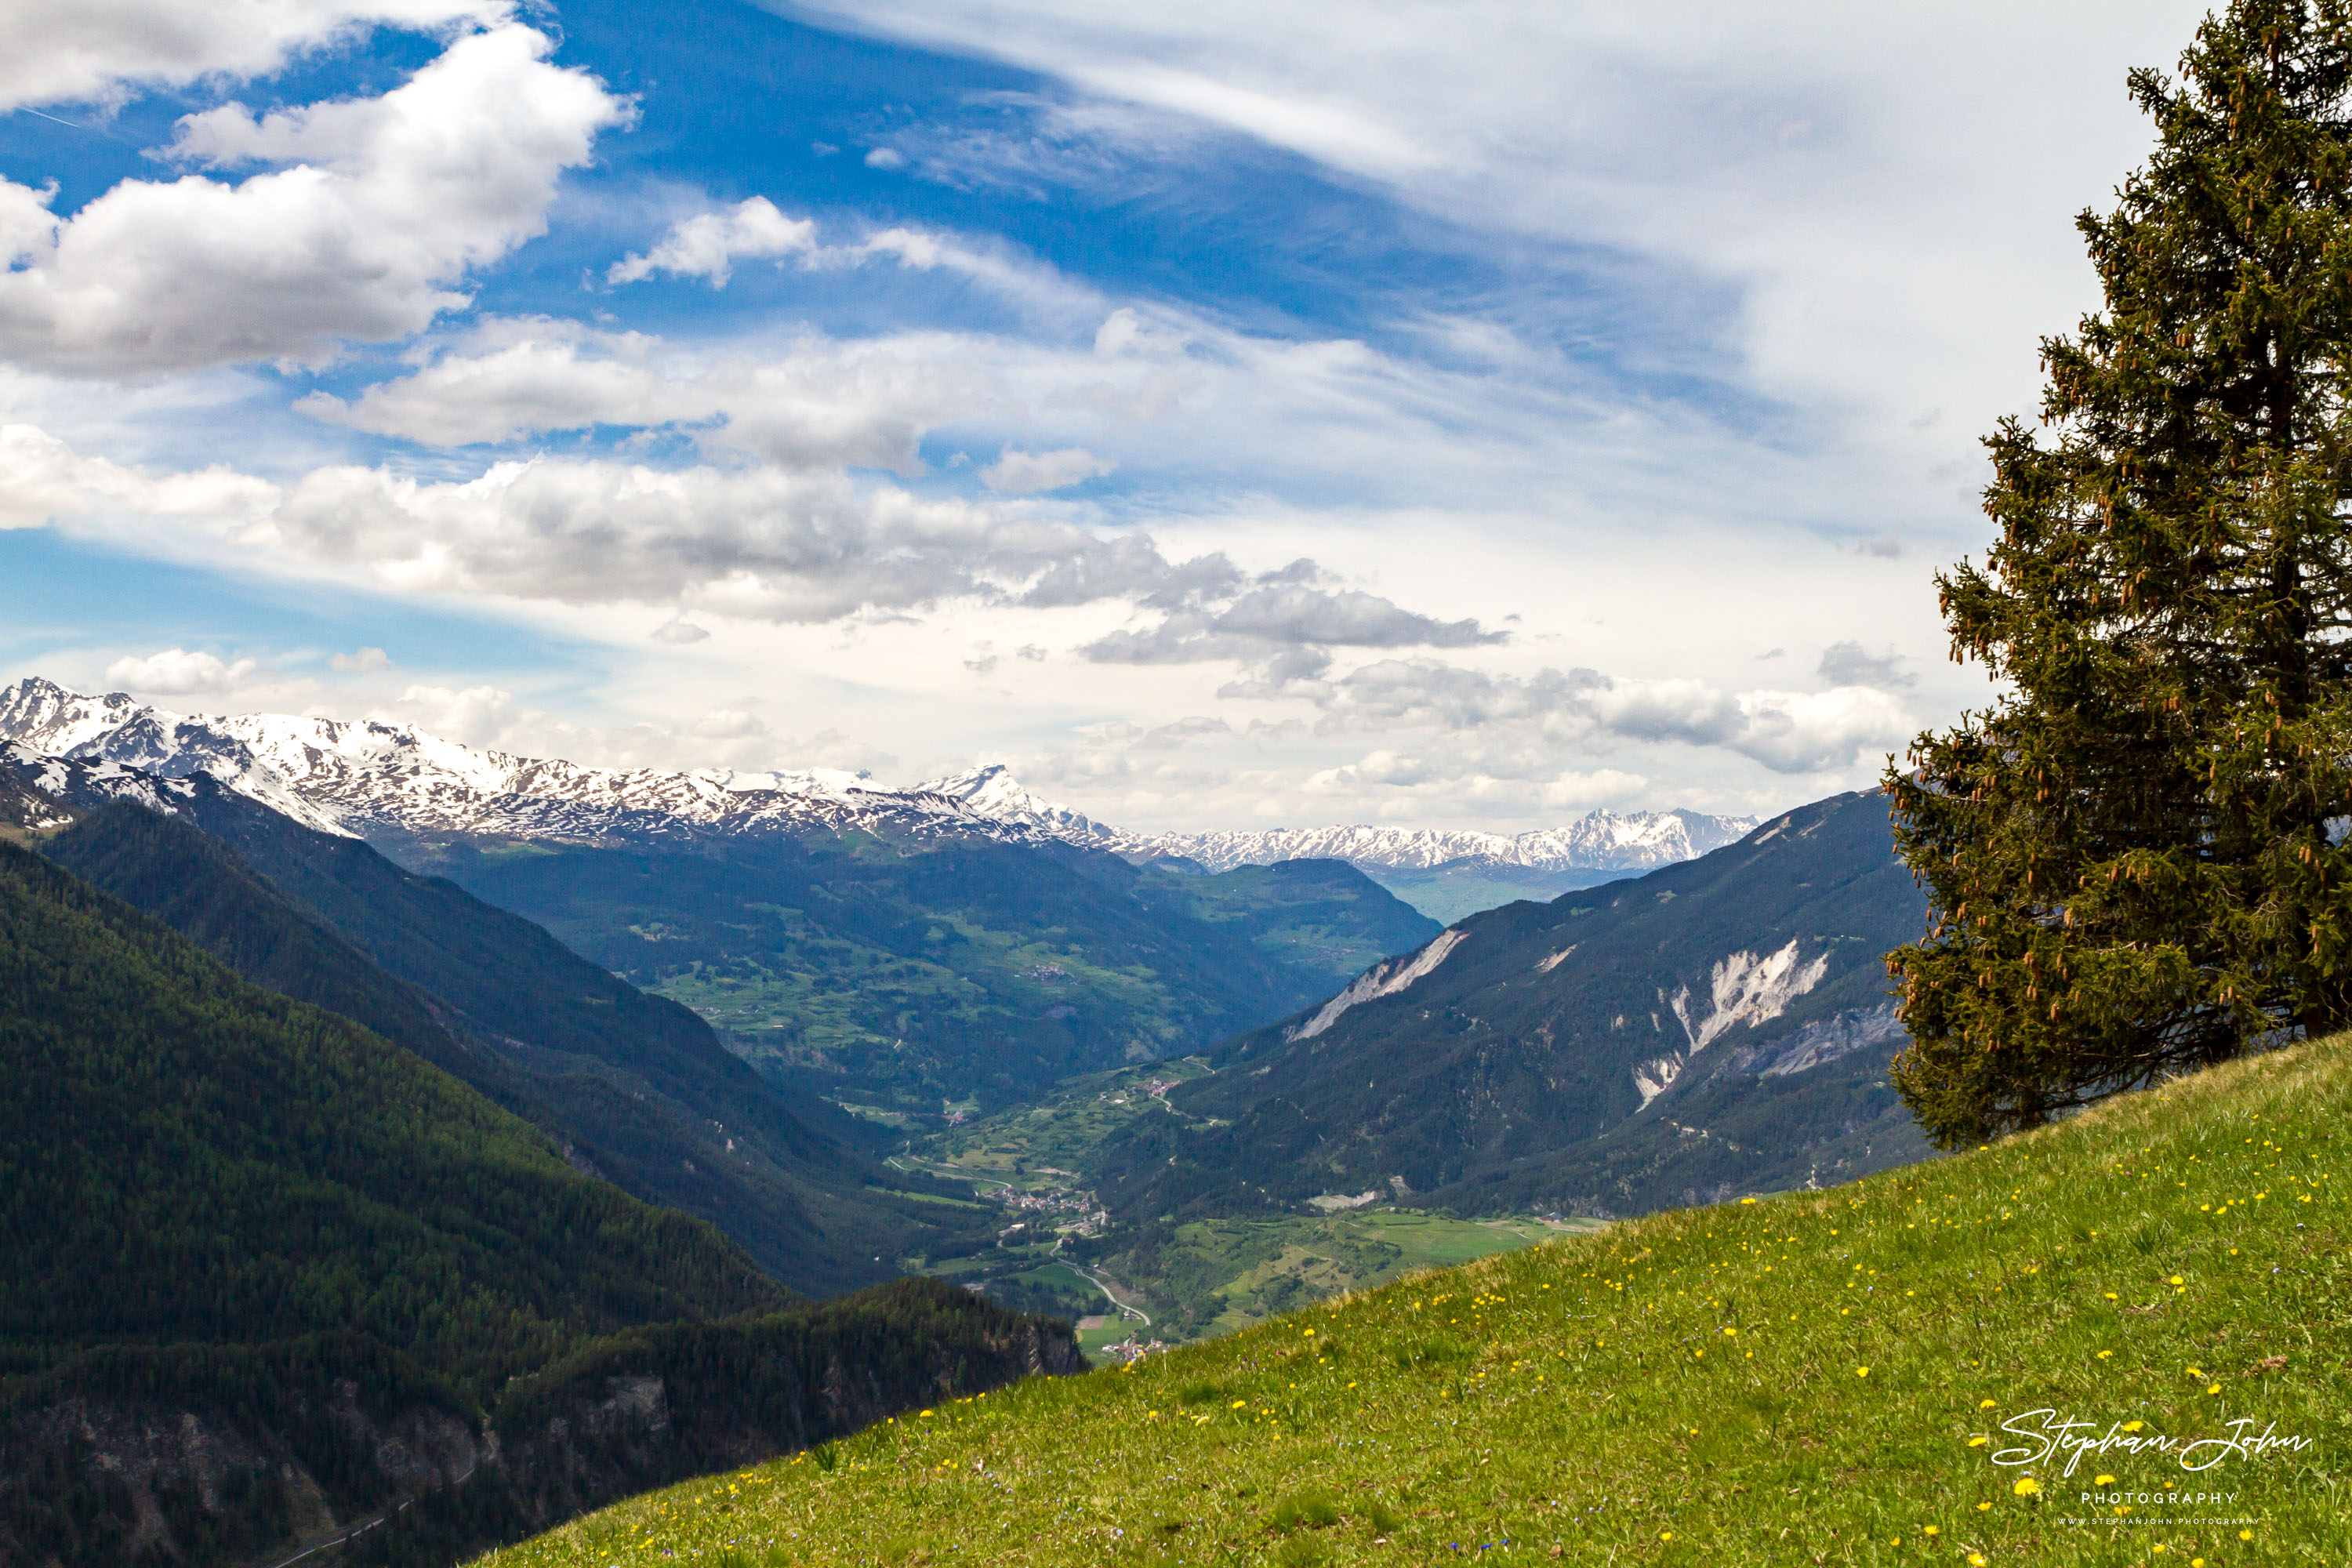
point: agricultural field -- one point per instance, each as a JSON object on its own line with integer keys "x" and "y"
{"x": 2027, "y": 1354}
{"x": 1048, "y": 1144}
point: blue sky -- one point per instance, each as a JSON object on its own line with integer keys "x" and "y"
{"x": 1229, "y": 415}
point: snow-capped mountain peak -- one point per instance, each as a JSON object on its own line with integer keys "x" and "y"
{"x": 367, "y": 777}
{"x": 990, "y": 791}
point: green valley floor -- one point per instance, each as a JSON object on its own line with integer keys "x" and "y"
{"x": 2120, "y": 1341}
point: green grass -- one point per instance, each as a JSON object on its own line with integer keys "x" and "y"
{"x": 1051, "y": 1142}
{"x": 1815, "y": 1377}
{"x": 1213, "y": 1276}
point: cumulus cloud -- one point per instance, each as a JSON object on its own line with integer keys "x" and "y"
{"x": 366, "y": 661}
{"x": 41, "y": 478}
{"x": 812, "y": 402}
{"x": 1787, "y": 731}
{"x": 1410, "y": 780}
{"x": 724, "y": 737}
{"x": 372, "y": 213}
{"x": 707, "y": 244}
{"x": 1282, "y": 621}
{"x": 1850, "y": 664}
{"x": 177, "y": 672}
{"x": 1019, "y": 473}
{"x": 729, "y": 724}
{"x": 679, "y": 633}
{"x": 68, "y": 51}
{"x": 472, "y": 716}
{"x": 760, "y": 541}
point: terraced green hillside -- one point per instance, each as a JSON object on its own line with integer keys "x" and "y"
{"x": 1847, "y": 1376}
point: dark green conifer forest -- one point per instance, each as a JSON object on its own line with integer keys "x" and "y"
{"x": 2133, "y": 857}
{"x": 282, "y": 1275}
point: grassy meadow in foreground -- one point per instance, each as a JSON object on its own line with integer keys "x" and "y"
{"x": 1844, "y": 1377}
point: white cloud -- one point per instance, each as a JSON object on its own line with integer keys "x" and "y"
{"x": 760, "y": 543}
{"x": 177, "y": 672}
{"x": 491, "y": 716}
{"x": 1019, "y": 473}
{"x": 707, "y": 244}
{"x": 809, "y": 403}
{"x": 366, "y": 661}
{"x": 728, "y": 724}
{"x": 66, "y": 51}
{"x": 1284, "y": 621}
{"x": 1850, "y": 664}
{"x": 41, "y": 478}
{"x": 1880, "y": 194}
{"x": 1583, "y": 709}
{"x": 473, "y": 716}
{"x": 376, "y": 210}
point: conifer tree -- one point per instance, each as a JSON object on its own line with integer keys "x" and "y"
{"x": 2135, "y": 856}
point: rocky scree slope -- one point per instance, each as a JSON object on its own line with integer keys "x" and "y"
{"x": 1722, "y": 1025}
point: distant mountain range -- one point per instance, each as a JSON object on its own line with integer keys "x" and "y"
{"x": 1600, "y": 841}
{"x": 372, "y": 780}
{"x": 899, "y": 953}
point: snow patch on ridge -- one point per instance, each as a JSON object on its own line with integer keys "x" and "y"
{"x": 1385, "y": 978}
{"x": 1746, "y": 989}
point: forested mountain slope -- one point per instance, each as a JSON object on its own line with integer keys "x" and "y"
{"x": 638, "y": 1087}
{"x": 1718, "y": 1024}
{"x": 179, "y": 1142}
{"x": 269, "y": 1272}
